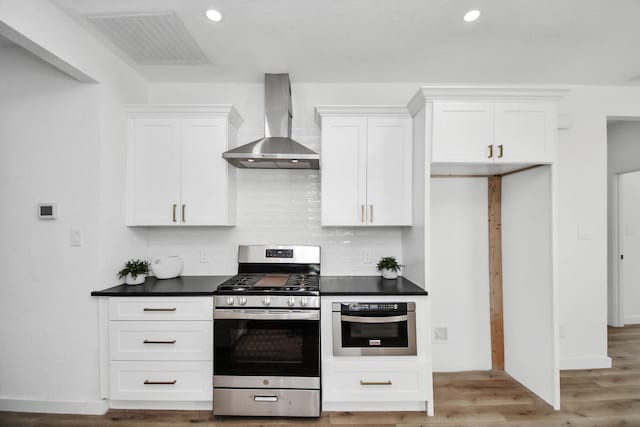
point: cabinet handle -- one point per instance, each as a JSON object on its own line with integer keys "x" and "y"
{"x": 387, "y": 382}
{"x": 147, "y": 382}
{"x": 158, "y": 342}
{"x": 257, "y": 398}
{"x": 159, "y": 309}
{"x": 362, "y": 214}
{"x": 501, "y": 151}
{"x": 174, "y": 213}
{"x": 370, "y": 213}
{"x": 490, "y": 152}
{"x": 184, "y": 217}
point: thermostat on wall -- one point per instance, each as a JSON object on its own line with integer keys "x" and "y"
{"x": 47, "y": 210}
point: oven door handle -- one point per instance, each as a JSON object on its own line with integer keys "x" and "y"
{"x": 266, "y": 315}
{"x": 367, "y": 319}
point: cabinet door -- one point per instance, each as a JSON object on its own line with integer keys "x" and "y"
{"x": 204, "y": 172}
{"x": 462, "y": 132}
{"x": 343, "y": 175}
{"x": 525, "y": 132}
{"x": 389, "y": 171}
{"x": 154, "y": 164}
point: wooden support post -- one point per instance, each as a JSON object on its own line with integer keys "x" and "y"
{"x": 495, "y": 272}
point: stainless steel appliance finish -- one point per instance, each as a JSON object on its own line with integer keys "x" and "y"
{"x": 261, "y": 402}
{"x": 374, "y": 329}
{"x": 276, "y": 150}
{"x": 267, "y": 334}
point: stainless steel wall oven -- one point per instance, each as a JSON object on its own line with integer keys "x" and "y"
{"x": 374, "y": 329}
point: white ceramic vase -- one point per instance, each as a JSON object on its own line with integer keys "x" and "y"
{"x": 139, "y": 279}
{"x": 389, "y": 274}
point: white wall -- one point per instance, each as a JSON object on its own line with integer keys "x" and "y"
{"x": 279, "y": 206}
{"x": 623, "y": 155}
{"x": 460, "y": 273}
{"x": 61, "y": 141}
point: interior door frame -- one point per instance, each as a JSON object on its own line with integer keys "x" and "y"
{"x": 617, "y": 315}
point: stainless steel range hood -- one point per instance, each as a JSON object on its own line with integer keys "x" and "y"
{"x": 276, "y": 150}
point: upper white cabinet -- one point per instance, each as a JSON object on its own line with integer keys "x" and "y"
{"x": 365, "y": 165}
{"x": 175, "y": 171}
{"x": 490, "y": 125}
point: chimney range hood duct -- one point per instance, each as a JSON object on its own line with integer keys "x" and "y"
{"x": 276, "y": 150}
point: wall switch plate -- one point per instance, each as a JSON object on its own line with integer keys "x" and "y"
{"x": 366, "y": 257}
{"x": 75, "y": 236}
{"x": 204, "y": 256}
{"x": 441, "y": 334}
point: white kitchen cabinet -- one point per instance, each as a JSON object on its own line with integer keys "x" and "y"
{"x": 493, "y": 132}
{"x": 377, "y": 383}
{"x": 175, "y": 171}
{"x": 158, "y": 351}
{"x": 366, "y": 166}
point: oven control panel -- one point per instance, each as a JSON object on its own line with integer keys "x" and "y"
{"x": 373, "y": 308}
{"x": 279, "y": 253}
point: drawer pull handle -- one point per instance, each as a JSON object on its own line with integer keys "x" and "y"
{"x": 387, "y": 382}
{"x": 159, "y": 309}
{"x": 265, "y": 398}
{"x": 174, "y": 213}
{"x": 147, "y": 382}
{"x": 158, "y": 342}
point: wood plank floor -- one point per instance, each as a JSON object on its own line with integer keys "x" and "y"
{"x": 598, "y": 397}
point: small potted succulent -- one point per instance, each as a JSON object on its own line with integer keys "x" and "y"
{"x": 135, "y": 271}
{"x": 389, "y": 267}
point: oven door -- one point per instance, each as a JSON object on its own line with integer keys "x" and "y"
{"x": 374, "y": 335}
{"x": 267, "y": 343}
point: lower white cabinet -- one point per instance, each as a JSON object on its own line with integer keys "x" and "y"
{"x": 159, "y": 349}
{"x": 377, "y": 383}
{"x": 159, "y": 380}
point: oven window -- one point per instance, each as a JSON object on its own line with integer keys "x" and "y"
{"x": 266, "y": 347}
{"x": 390, "y": 334}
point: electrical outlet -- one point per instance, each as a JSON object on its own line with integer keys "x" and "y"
{"x": 441, "y": 334}
{"x": 366, "y": 257}
{"x": 75, "y": 236}
{"x": 204, "y": 256}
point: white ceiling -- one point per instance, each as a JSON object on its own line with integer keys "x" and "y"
{"x": 514, "y": 41}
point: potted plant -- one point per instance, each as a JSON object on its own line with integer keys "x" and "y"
{"x": 135, "y": 271}
{"x": 389, "y": 267}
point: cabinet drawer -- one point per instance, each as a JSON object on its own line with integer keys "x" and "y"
{"x": 173, "y": 381}
{"x": 372, "y": 381}
{"x": 161, "y": 340}
{"x": 161, "y": 308}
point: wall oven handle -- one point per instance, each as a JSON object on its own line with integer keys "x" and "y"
{"x": 367, "y": 319}
{"x": 266, "y": 315}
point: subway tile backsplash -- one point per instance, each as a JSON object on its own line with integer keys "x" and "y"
{"x": 277, "y": 207}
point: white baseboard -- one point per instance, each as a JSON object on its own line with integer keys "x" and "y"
{"x": 595, "y": 362}
{"x": 205, "y": 405}
{"x": 85, "y": 407}
{"x": 373, "y": 406}
{"x": 632, "y": 320}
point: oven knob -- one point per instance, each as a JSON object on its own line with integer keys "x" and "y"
{"x": 266, "y": 301}
{"x": 229, "y": 300}
{"x": 304, "y": 302}
{"x": 242, "y": 300}
{"x": 291, "y": 302}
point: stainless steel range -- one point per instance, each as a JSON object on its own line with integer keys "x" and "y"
{"x": 267, "y": 334}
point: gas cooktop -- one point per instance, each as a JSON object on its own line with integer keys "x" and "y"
{"x": 258, "y": 283}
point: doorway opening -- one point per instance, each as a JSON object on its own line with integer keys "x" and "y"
{"x": 623, "y": 212}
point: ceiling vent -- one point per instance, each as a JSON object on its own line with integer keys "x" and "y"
{"x": 151, "y": 38}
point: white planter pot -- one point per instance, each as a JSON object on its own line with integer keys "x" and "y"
{"x": 140, "y": 278}
{"x": 389, "y": 274}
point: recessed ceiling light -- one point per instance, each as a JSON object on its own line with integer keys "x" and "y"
{"x": 294, "y": 161}
{"x": 250, "y": 160}
{"x": 213, "y": 15}
{"x": 472, "y": 15}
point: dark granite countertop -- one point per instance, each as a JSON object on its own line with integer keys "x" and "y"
{"x": 207, "y": 285}
{"x": 368, "y": 285}
{"x": 180, "y": 286}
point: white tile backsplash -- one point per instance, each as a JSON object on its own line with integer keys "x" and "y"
{"x": 278, "y": 207}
